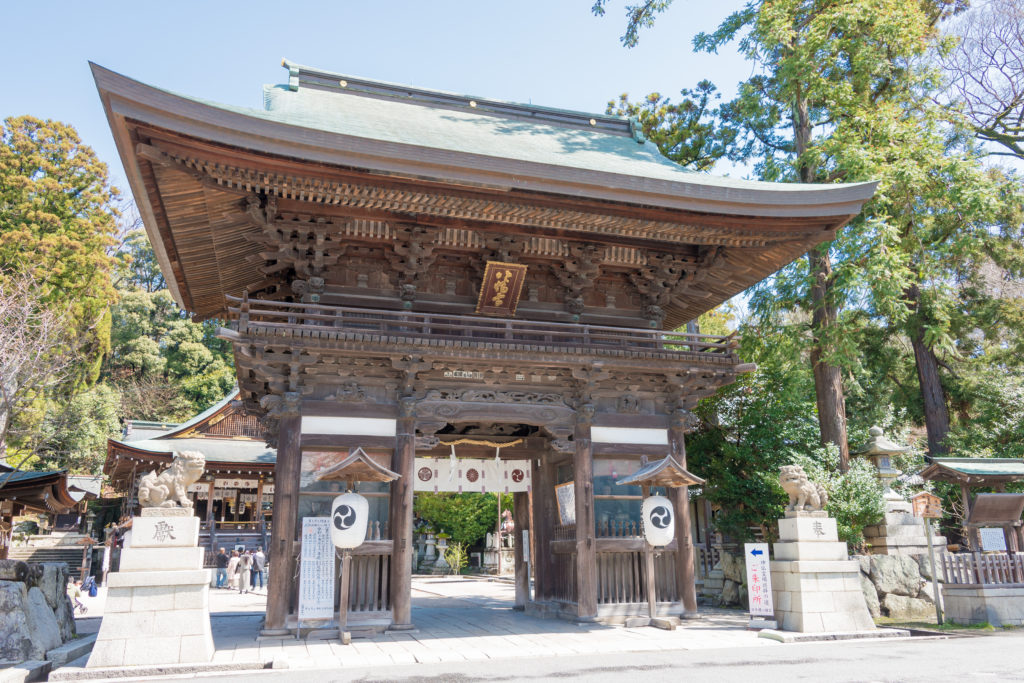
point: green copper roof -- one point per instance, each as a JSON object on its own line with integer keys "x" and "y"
{"x": 983, "y": 466}
{"x": 448, "y": 123}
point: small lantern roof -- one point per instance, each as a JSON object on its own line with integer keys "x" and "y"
{"x": 358, "y": 466}
{"x": 665, "y": 472}
{"x": 879, "y": 445}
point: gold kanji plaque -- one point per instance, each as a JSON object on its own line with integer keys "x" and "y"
{"x": 502, "y": 285}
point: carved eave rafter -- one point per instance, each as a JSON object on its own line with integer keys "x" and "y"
{"x": 326, "y": 203}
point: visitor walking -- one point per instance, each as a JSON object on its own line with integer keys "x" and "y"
{"x": 222, "y": 569}
{"x": 259, "y": 561}
{"x": 244, "y": 569}
{"x": 233, "y": 570}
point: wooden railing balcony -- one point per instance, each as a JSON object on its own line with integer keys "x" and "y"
{"x": 338, "y": 323}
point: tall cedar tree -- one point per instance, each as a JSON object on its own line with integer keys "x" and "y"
{"x": 839, "y": 98}
{"x": 58, "y": 226}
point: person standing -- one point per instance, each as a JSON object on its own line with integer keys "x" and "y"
{"x": 222, "y": 568}
{"x": 233, "y": 570}
{"x": 259, "y": 562}
{"x": 244, "y": 569}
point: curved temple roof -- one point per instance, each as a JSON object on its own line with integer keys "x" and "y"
{"x": 456, "y": 142}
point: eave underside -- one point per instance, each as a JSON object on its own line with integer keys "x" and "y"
{"x": 198, "y": 192}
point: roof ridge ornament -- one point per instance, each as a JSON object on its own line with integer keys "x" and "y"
{"x": 293, "y": 74}
{"x": 637, "y": 130}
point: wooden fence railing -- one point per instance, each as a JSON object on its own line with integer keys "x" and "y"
{"x": 369, "y": 580}
{"x": 316, "y": 321}
{"x": 977, "y": 569}
{"x": 563, "y": 577}
{"x": 621, "y": 577}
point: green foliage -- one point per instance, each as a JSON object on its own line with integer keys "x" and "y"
{"x": 77, "y": 431}
{"x": 57, "y": 225}
{"x": 467, "y": 517}
{"x": 157, "y": 350}
{"x": 750, "y": 429}
{"x": 685, "y": 132}
{"x": 843, "y": 92}
{"x": 457, "y": 556}
{"x": 854, "y": 497}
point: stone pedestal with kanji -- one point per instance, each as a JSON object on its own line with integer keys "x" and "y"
{"x": 157, "y": 609}
{"x": 815, "y": 586}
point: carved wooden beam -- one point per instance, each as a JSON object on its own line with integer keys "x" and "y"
{"x": 412, "y": 256}
{"x": 668, "y": 276}
{"x": 578, "y": 273}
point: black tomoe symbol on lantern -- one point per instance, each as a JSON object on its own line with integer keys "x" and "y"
{"x": 344, "y": 517}
{"x": 661, "y": 517}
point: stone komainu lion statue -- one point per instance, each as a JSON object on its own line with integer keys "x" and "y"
{"x": 169, "y": 488}
{"x": 804, "y": 495}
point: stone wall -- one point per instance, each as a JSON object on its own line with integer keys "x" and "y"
{"x": 36, "y": 614}
{"x": 897, "y": 586}
{"x": 995, "y": 605}
{"x": 726, "y": 583}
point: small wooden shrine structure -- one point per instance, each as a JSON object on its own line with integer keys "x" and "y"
{"x": 971, "y": 473}
{"x": 398, "y": 265}
{"x": 234, "y": 497}
{"x": 22, "y": 492}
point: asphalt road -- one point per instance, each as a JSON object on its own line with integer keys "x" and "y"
{"x": 991, "y": 657}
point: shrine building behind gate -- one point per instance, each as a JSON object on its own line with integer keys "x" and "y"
{"x": 403, "y": 268}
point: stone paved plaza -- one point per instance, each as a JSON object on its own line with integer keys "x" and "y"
{"x": 457, "y": 619}
{"x": 461, "y": 619}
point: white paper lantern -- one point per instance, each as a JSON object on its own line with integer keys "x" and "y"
{"x": 350, "y": 513}
{"x": 659, "y": 520}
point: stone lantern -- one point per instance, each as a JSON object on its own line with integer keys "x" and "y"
{"x": 900, "y": 533}
{"x": 880, "y": 451}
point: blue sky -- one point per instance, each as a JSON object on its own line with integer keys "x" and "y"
{"x": 553, "y": 52}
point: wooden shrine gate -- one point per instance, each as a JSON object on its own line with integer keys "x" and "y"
{"x": 389, "y": 290}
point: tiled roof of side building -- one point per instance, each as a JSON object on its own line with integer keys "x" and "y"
{"x": 242, "y": 451}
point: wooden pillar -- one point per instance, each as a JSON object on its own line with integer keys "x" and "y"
{"x": 521, "y": 521}
{"x": 685, "y": 581}
{"x": 6, "y": 534}
{"x": 586, "y": 545}
{"x": 211, "y": 523}
{"x": 971, "y": 536}
{"x": 400, "y": 513}
{"x": 542, "y": 476}
{"x": 286, "y": 504}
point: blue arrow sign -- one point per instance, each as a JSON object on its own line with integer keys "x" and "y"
{"x": 756, "y": 551}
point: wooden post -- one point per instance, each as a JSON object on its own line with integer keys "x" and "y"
{"x": 6, "y": 533}
{"x": 972, "y": 536}
{"x": 400, "y": 512}
{"x": 286, "y": 503}
{"x": 935, "y": 576}
{"x": 211, "y": 523}
{"x": 258, "y": 516}
{"x": 708, "y": 535}
{"x": 343, "y": 592}
{"x": 586, "y": 545}
{"x": 685, "y": 580}
{"x": 650, "y": 581}
{"x": 521, "y": 522}
{"x": 543, "y": 479}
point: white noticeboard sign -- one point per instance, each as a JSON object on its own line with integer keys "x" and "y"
{"x": 992, "y": 539}
{"x": 316, "y": 574}
{"x": 759, "y": 580}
